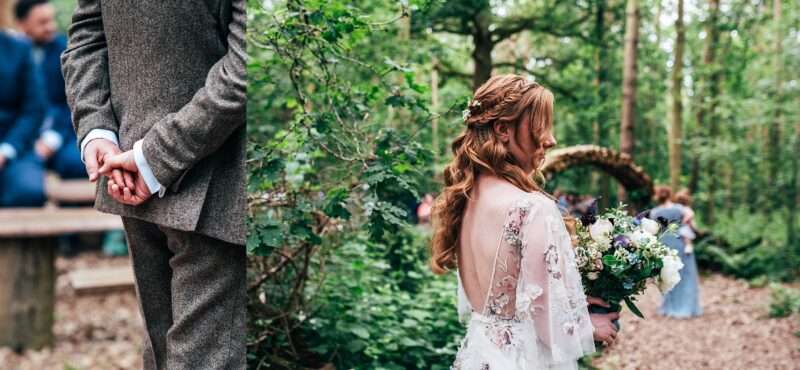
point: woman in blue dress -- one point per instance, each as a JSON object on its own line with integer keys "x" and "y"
{"x": 683, "y": 301}
{"x": 22, "y": 107}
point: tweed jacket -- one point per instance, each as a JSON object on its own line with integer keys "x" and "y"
{"x": 171, "y": 73}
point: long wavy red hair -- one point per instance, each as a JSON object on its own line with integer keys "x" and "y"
{"x": 505, "y": 100}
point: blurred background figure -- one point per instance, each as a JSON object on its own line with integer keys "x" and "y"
{"x": 56, "y": 144}
{"x": 424, "y": 209}
{"x": 22, "y": 108}
{"x": 683, "y": 301}
{"x": 688, "y": 229}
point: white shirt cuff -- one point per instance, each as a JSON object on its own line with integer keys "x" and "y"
{"x": 52, "y": 139}
{"x": 145, "y": 171}
{"x": 8, "y": 151}
{"x": 98, "y": 133}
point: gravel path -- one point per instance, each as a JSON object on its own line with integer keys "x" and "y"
{"x": 92, "y": 332}
{"x": 733, "y": 333}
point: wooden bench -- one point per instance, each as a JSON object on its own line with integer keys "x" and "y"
{"x": 60, "y": 191}
{"x": 28, "y": 241}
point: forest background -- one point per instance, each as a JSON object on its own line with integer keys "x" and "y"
{"x": 352, "y": 105}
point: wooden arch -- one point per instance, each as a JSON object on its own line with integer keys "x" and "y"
{"x": 636, "y": 182}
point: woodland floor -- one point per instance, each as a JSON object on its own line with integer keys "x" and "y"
{"x": 103, "y": 331}
{"x": 733, "y": 333}
{"x": 92, "y": 332}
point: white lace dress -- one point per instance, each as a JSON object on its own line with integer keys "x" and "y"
{"x": 534, "y": 315}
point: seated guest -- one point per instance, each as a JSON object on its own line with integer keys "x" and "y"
{"x": 22, "y": 107}
{"x": 56, "y": 144}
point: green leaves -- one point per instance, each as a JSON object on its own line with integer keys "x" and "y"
{"x": 336, "y": 205}
{"x": 631, "y": 306}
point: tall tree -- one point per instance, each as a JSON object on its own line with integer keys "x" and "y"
{"x": 709, "y": 78}
{"x": 600, "y": 182}
{"x": 475, "y": 19}
{"x": 627, "y": 141}
{"x": 773, "y": 148}
{"x": 676, "y": 127}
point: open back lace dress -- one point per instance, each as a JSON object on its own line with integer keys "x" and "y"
{"x": 528, "y": 309}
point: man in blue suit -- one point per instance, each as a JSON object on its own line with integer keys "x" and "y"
{"x": 22, "y": 107}
{"x": 56, "y": 144}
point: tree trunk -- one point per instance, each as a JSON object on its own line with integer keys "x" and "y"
{"x": 27, "y": 293}
{"x": 794, "y": 196}
{"x": 676, "y": 128}
{"x": 774, "y": 147}
{"x": 703, "y": 94}
{"x": 600, "y": 182}
{"x": 482, "y": 55}
{"x": 627, "y": 139}
{"x": 435, "y": 109}
{"x": 705, "y": 114}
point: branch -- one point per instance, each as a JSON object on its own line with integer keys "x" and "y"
{"x": 517, "y": 25}
{"x": 547, "y": 83}
{"x": 448, "y": 70}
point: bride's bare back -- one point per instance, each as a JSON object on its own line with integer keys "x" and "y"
{"x": 481, "y": 231}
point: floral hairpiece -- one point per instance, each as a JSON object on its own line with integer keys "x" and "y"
{"x": 466, "y": 113}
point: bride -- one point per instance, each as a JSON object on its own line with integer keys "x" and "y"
{"x": 519, "y": 287}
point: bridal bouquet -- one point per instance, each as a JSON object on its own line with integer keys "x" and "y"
{"x": 618, "y": 254}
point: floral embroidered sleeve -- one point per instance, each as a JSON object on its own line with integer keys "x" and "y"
{"x": 550, "y": 291}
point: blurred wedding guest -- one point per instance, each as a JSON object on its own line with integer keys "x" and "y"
{"x": 687, "y": 230}
{"x": 424, "y": 209}
{"x": 22, "y": 108}
{"x": 561, "y": 201}
{"x": 683, "y": 301}
{"x": 56, "y": 144}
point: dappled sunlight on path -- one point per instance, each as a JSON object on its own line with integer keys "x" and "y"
{"x": 734, "y": 333}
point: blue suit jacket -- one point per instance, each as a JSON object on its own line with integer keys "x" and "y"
{"x": 58, "y": 113}
{"x": 22, "y": 100}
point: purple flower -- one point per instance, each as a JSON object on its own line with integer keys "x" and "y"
{"x": 590, "y": 217}
{"x": 621, "y": 241}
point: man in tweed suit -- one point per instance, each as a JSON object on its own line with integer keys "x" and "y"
{"x": 157, "y": 93}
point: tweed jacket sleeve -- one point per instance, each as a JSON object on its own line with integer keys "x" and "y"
{"x": 180, "y": 140}
{"x": 85, "y": 67}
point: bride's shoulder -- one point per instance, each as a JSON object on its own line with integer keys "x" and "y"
{"x": 531, "y": 204}
{"x": 502, "y": 198}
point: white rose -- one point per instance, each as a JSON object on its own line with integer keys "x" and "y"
{"x": 640, "y": 238}
{"x": 601, "y": 231}
{"x": 650, "y": 226}
{"x": 593, "y": 275}
{"x": 670, "y": 273}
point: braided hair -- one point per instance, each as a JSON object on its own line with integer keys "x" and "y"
{"x": 506, "y": 100}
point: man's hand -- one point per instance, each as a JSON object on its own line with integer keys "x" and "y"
{"x": 45, "y": 152}
{"x": 129, "y": 188}
{"x": 2, "y": 161}
{"x": 94, "y": 154}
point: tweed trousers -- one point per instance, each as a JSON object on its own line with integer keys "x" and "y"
{"x": 192, "y": 297}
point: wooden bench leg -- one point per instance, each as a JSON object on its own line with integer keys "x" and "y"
{"x": 27, "y": 293}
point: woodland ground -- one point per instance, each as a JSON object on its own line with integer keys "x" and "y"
{"x": 733, "y": 333}
{"x": 103, "y": 331}
{"x": 92, "y": 332}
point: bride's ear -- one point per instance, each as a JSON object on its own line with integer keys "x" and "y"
{"x": 501, "y": 131}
